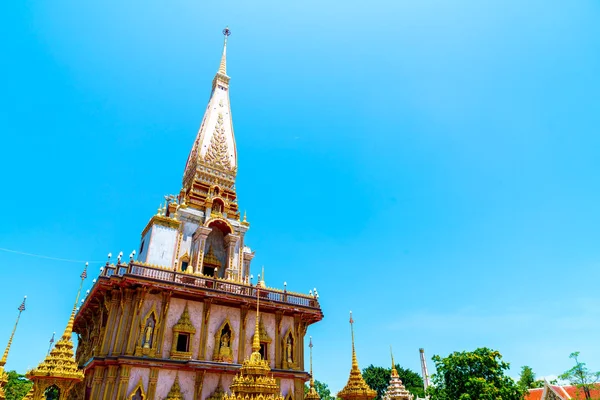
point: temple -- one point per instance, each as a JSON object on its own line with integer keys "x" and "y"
{"x": 396, "y": 390}
{"x": 356, "y": 388}
{"x": 175, "y": 322}
{"x": 558, "y": 392}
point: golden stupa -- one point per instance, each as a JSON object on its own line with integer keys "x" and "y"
{"x": 59, "y": 368}
{"x": 356, "y": 388}
{"x": 253, "y": 382}
{"x": 4, "y": 375}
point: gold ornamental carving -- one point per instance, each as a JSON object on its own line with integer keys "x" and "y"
{"x": 223, "y": 348}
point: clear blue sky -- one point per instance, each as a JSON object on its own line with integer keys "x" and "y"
{"x": 431, "y": 165}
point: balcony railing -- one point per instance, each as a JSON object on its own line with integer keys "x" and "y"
{"x": 208, "y": 282}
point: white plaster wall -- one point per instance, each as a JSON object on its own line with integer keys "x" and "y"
{"x": 134, "y": 378}
{"x": 287, "y": 386}
{"x": 175, "y": 310}
{"x": 186, "y": 242}
{"x": 144, "y": 252}
{"x": 167, "y": 377}
{"x": 218, "y": 314}
{"x": 162, "y": 246}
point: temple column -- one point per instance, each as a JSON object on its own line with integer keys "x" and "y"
{"x": 123, "y": 382}
{"x": 124, "y": 321}
{"x": 247, "y": 259}
{"x": 97, "y": 383}
{"x": 198, "y": 245}
{"x": 204, "y": 331}
{"x": 135, "y": 321}
{"x": 242, "y": 335}
{"x": 152, "y": 381}
{"x": 109, "y": 387}
{"x": 112, "y": 309}
{"x": 231, "y": 272}
{"x": 198, "y": 385}
{"x": 163, "y": 324}
{"x": 278, "y": 356}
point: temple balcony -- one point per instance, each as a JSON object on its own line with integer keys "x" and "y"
{"x": 205, "y": 286}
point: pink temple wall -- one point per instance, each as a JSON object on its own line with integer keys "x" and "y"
{"x": 187, "y": 381}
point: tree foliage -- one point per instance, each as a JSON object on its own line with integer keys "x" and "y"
{"x": 17, "y": 386}
{"x": 322, "y": 389}
{"x": 581, "y": 376}
{"x": 527, "y": 379}
{"x": 378, "y": 379}
{"x": 476, "y": 375}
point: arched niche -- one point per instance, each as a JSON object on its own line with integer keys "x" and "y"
{"x": 148, "y": 334}
{"x": 288, "y": 352}
{"x": 215, "y": 248}
{"x": 223, "y": 348}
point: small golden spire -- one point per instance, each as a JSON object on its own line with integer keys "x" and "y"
{"x": 312, "y": 393}
{"x": 394, "y": 372}
{"x": 256, "y": 341}
{"x": 356, "y": 388}
{"x": 69, "y": 329}
{"x": 223, "y": 65}
{"x": 354, "y": 360}
{"x": 12, "y": 335}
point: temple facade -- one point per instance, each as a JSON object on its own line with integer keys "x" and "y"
{"x": 176, "y": 320}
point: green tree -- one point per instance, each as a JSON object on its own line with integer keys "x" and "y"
{"x": 322, "y": 389}
{"x": 378, "y": 379}
{"x": 581, "y": 376}
{"x": 17, "y": 386}
{"x": 527, "y": 379}
{"x": 476, "y": 375}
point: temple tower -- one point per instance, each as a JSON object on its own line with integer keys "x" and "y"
{"x": 174, "y": 321}
{"x": 3, "y": 374}
{"x": 356, "y": 388}
{"x": 396, "y": 390}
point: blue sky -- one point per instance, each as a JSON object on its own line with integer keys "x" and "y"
{"x": 430, "y": 165}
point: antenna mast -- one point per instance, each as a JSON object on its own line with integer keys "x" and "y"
{"x": 424, "y": 372}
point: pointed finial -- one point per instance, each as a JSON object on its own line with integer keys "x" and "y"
{"x": 263, "y": 284}
{"x": 223, "y": 65}
{"x": 245, "y": 220}
{"x": 12, "y": 335}
{"x": 310, "y": 345}
{"x": 256, "y": 341}
{"x": 354, "y": 361}
{"x": 394, "y": 372}
{"x": 51, "y": 342}
{"x": 69, "y": 328}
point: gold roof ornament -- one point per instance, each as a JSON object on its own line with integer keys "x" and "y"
{"x": 185, "y": 323}
{"x": 59, "y": 367}
{"x": 395, "y": 389}
{"x": 4, "y": 375}
{"x": 253, "y": 381}
{"x": 175, "y": 392}
{"x": 211, "y": 259}
{"x": 312, "y": 393}
{"x": 356, "y": 388}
